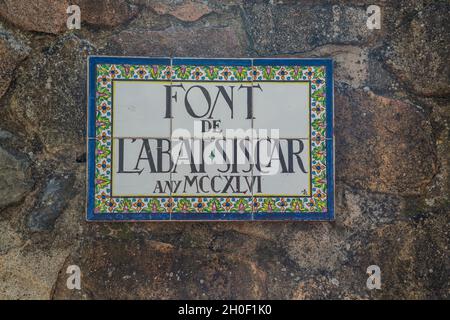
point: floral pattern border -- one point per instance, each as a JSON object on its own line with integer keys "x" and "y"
{"x": 105, "y": 73}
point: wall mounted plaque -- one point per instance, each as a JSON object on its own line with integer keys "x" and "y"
{"x": 210, "y": 139}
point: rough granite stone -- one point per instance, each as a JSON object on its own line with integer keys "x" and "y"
{"x": 185, "y": 10}
{"x": 296, "y": 28}
{"x": 29, "y": 274}
{"x": 51, "y": 203}
{"x": 106, "y": 13}
{"x": 116, "y": 266}
{"x": 50, "y": 95}
{"x": 351, "y": 63}
{"x": 50, "y": 16}
{"x": 419, "y": 51}
{"x": 47, "y": 16}
{"x": 15, "y": 178}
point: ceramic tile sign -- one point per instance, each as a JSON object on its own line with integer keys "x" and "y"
{"x": 210, "y": 139}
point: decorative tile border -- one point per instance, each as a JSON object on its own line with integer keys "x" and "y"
{"x": 294, "y": 70}
{"x": 102, "y": 206}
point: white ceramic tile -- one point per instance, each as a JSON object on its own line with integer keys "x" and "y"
{"x": 283, "y": 106}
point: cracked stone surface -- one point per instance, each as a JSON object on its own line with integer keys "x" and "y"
{"x": 392, "y": 127}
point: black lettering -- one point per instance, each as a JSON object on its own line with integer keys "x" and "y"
{"x": 189, "y": 106}
{"x": 250, "y": 99}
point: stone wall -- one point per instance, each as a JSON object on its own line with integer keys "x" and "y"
{"x": 392, "y": 154}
